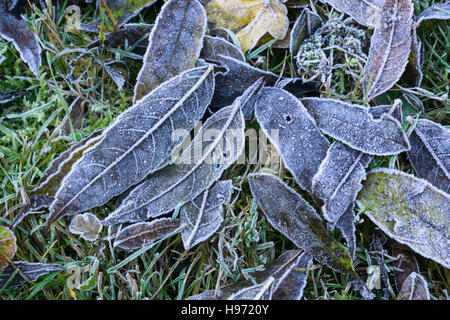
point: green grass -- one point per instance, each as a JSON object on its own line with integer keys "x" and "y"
{"x": 38, "y": 127}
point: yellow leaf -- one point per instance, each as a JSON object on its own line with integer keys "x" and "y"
{"x": 251, "y": 19}
{"x": 7, "y": 246}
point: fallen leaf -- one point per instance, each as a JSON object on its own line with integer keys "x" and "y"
{"x": 409, "y": 210}
{"x": 118, "y": 71}
{"x": 415, "y": 287}
{"x": 174, "y": 44}
{"x": 87, "y": 225}
{"x": 28, "y": 272}
{"x": 8, "y": 246}
{"x": 413, "y": 72}
{"x": 365, "y": 12}
{"x": 215, "y": 46}
{"x": 124, "y": 10}
{"x": 405, "y": 263}
{"x": 250, "y": 19}
{"x": 436, "y": 11}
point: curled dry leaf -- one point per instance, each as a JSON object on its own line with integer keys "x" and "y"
{"x": 141, "y": 234}
{"x": 291, "y": 215}
{"x": 357, "y": 128}
{"x": 203, "y": 215}
{"x": 43, "y": 194}
{"x": 415, "y": 287}
{"x": 294, "y": 133}
{"x": 215, "y": 46}
{"x": 8, "y": 246}
{"x": 87, "y": 225}
{"x": 439, "y": 11}
{"x": 136, "y": 144}
{"x": 430, "y": 153}
{"x": 389, "y": 47}
{"x": 250, "y": 19}
{"x": 25, "y": 41}
{"x": 365, "y": 12}
{"x": 26, "y": 272}
{"x": 174, "y": 44}
{"x": 409, "y": 210}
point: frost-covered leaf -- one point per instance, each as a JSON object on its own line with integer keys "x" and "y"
{"x": 43, "y": 194}
{"x": 25, "y": 41}
{"x": 415, "y": 287}
{"x": 261, "y": 291}
{"x": 28, "y": 272}
{"x": 136, "y": 144}
{"x": 124, "y": 10}
{"x": 405, "y": 264}
{"x": 409, "y": 210}
{"x": 250, "y": 19}
{"x": 430, "y": 153}
{"x": 87, "y": 225}
{"x": 80, "y": 66}
{"x": 304, "y": 27}
{"x": 218, "y": 144}
{"x": 174, "y": 44}
{"x": 134, "y": 35}
{"x": 8, "y": 246}
{"x": 413, "y": 72}
{"x": 213, "y": 46}
{"x": 294, "y": 133}
{"x": 436, "y": 11}
{"x": 203, "y": 215}
{"x": 118, "y": 71}
{"x": 365, "y": 12}
{"x": 298, "y": 3}
{"x": 338, "y": 179}
{"x": 141, "y": 234}
{"x": 291, "y": 215}
{"x": 346, "y": 223}
{"x": 356, "y": 127}
{"x": 389, "y": 47}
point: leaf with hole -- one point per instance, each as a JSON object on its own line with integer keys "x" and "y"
{"x": 203, "y": 215}
{"x": 136, "y": 144}
{"x": 174, "y": 44}
{"x": 390, "y": 46}
{"x": 430, "y": 153}
{"x": 294, "y": 133}
{"x": 409, "y": 210}
{"x": 356, "y": 127}
{"x": 87, "y": 225}
{"x": 140, "y": 234}
{"x": 250, "y": 19}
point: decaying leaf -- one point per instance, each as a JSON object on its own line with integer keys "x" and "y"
{"x": 203, "y": 215}
{"x": 291, "y": 215}
{"x": 346, "y": 223}
{"x": 356, "y": 127}
{"x": 8, "y": 246}
{"x": 136, "y": 144}
{"x": 141, "y": 234}
{"x": 25, "y": 272}
{"x": 87, "y": 225}
{"x": 250, "y": 19}
{"x": 80, "y": 66}
{"x": 218, "y": 145}
{"x": 304, "y": 27}
{"x": 174, "y": 44}
{"x": 436, "y": 11}
{"x": 389, "y": 47}
{"x": 25, "y": 41}
{"x": 405, "y": 263}
{"x": 415, "y": 287}
{"x": 135, "y": 35}
{"x": 409, "y": 210}
{"x": 338, "y": 179}
{"x": 365, "y": 12}
{"x": 124, "y": 10}
{"x": 294, "y": 133}
{"x": 215, "y": 46}
{"x": 430, "y": 153}
{"x": 43, "y": 194}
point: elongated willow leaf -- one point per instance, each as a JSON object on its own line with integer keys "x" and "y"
{"x": 365, "y": 12}
{"x": 356, "y": 127}
{"x": 291, "y": 215}
{"x": 87, "y": 225}
{"x": 287, "y": 283}
{"x": 8, "y": 246}
{"x": 218, "y": 145}
{"x": 430, "y": 153}
{"x": 409, "y": 210}
{"x": 213, "y": 46}
{"x": 20, "y": 272}
{"x": 141, "y": 234}
{"x": 136, "y": 144}
{"x": 43, "y": 194}
{"x": 415, "y": 287}
{"x": 294, "y": 133}
{"x": 439, "y": 11}
{"x": 203, "y": 215}
{"x": 389, "y": 47}
{"x": 25, "y": 41}
{"x": 174, "y": 44}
